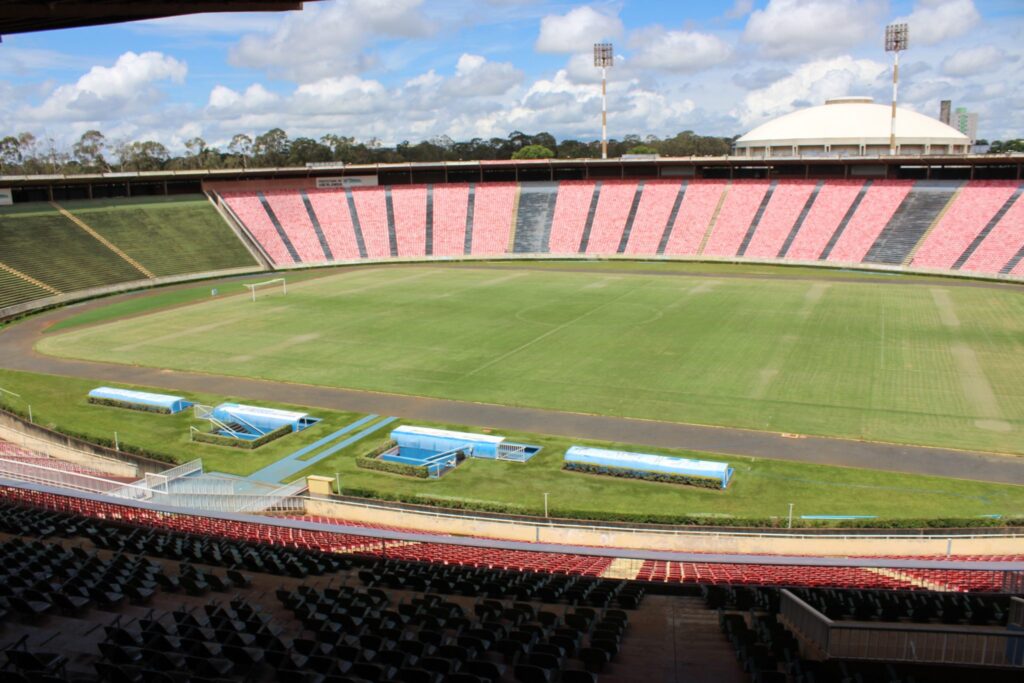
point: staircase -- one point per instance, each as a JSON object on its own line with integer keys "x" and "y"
{"x": 585, "y": 240}
{"x": 916, "y": 215}
{"x": 685, "y": 645}
{"x": 631, "y": 218}
{"x": 533, "y": 219}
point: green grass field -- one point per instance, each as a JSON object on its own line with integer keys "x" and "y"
{"x": 929, "y": 363}
{"x": 761, "y": 488}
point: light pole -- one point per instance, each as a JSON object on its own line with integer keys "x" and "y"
{"x": 545, "y": 505}
{"x": 789, "y": 525}
{"x": 897, "y": 38}
{"x": 604, "y": 59}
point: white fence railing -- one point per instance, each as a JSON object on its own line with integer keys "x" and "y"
{"x": 42, "y": 474}
{"x": 154, "y": 489}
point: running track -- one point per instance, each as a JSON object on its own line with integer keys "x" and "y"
{"x": 16, "y": 353}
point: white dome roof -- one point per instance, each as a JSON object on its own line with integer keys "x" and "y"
{"x": 851, "y": 121}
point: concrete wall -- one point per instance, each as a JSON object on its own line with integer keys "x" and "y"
{"x": 38, "y": 438}
{"x": 682, "y": 542}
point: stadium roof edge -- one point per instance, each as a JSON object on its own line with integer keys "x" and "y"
{"x": 24, "y": 16}
{"x": 355, "y": 169}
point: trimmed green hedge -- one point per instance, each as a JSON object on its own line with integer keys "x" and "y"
{"x": 129, "y": 406}
{"x": 684, "y": 520}
{"x": 221, "y": 440}
{"x": 687, "y": 479}
{"x": 372, "y": 461}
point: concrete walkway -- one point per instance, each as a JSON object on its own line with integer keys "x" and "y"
{"x": 277, "y": 472}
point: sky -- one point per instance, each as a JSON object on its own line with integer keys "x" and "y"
{"x": 399, "y": 70}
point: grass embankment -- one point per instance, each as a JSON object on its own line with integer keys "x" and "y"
{"x": 761, "y": 488}
{"x": 927, "y": 365}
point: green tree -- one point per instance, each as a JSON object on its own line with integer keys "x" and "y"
{"x": 1003, "y": 146}
{"x": 197, "y": 152}
{"x": 306, "y": 150}
{"x": 240, "y": 147}
{"x": 88, "y": 151}
{"x": 574, "y": 149}
{"x": 533, "y": 152}
{"x": 10, "y": 155}
{"x": 271, "y": 148}
{"x": 642, "y": 149}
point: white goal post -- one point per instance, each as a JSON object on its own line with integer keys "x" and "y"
{"x": 268, "y": 284}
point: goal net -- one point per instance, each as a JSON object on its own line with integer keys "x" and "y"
{"x": 276, "y": 286}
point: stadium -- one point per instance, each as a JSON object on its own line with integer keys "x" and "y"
{"x": 752, "y": 417}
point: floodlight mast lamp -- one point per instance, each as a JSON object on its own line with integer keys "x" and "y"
{"x": 604, "y": 59}
{"x": 897, "y": 39}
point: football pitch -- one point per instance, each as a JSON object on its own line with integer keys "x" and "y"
{"x": 930, "y": 363}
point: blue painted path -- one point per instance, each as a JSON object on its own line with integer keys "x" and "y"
{"x": 277, "y": 472}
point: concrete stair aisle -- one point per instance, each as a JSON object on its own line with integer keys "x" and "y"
{"x": 674, "y": 639}
{"x": 533, "y": 220}
{"x": 915, "y": 216}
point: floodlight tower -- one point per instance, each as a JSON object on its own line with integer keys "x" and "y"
{"x": 897, "y": 38}
{"x": 604, "y": 59}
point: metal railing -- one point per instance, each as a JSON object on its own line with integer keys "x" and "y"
{"x": 42, "y": 474}
{"x": 183, "y": 470}
{"x": 153, "y": 489}
{"x": 805, "y": 621}
{"x": 897, "y": 642}
{"x": 1016, "y": 612}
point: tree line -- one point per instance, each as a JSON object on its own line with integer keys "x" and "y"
{"x": 25, "y": 153}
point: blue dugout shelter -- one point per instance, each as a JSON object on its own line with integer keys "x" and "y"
{"x": 262, "y": 420}
{"x": 427, "y": 440}
{"x": 646, "y": 462}
{"x": 175, "y": 404}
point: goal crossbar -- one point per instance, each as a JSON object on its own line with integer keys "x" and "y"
{"x": 253, "y": 286}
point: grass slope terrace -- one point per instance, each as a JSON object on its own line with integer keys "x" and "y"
{"x": 761, "y": 489}
{"x": 856, "y": 357}
{"x": 116, "y": 241}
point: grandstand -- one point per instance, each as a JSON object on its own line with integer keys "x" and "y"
{"x": 930, "y": 226}
{"x": 402, "y": 606}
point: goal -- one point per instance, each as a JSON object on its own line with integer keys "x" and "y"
{"x": 268, "y": 287}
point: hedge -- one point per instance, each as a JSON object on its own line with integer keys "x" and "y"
{"x": 129, "y": 406}
{"x": 683, "y": 519}
{"x": 372, "y": 461}
{"x": 687, "y": 479}
{"x": 221, "y": 440}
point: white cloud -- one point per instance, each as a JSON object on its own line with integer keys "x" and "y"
{"x": 562, "y": 106}
{"x": 740, "y": 8}
{"x": 580, "y": 69}
{"x": 791, "y": 28}
{"x": 106, "y": 93}
{"x": 682, "y": 51}
{"x": 812, "y": 84}
{"x": 477, "y": 77}
{"x": 933, "y": 21}
{"x": 576, "y": 31}
{"x": 972, "y": 61}
{"x": 325, "y": 40}
{"x": 344, "y": 95}
{"x": 224, "y": 99}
